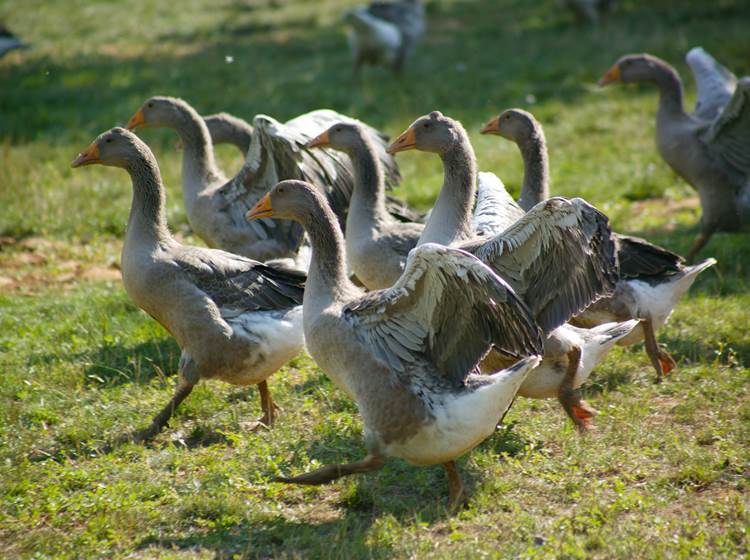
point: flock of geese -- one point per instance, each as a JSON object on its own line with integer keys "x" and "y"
{"x": 432, "y": 324}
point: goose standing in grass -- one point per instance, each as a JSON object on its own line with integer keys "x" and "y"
{"x": 385, "y": 33}
{"x": 652, "y": 279}
{"x": 712, "y": 153}
{"x": 234, "y": 319}
{"x": 569, "y": 233}
{"x": 407, "y": 355}
{"x": 216, "y": 205}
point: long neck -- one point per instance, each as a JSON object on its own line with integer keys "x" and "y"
{"x": 535, "y": 187}
{"x": 670, "y": 90}
{"x": 326, "y": 279}
{"x": 198, "y": 164}
{"x": 450, "y": 220}
{"x": 148, "y": 219}
{"x": 367, "y": 205}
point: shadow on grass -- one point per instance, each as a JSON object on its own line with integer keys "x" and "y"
{"x": 118, "y": 364}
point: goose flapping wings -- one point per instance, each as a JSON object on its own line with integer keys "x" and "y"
{"x": 559, "y": 258}
{"x": 728, "y": 137}
{"x": 715, "y": 84}
{"x": 447, "y": 309}
{"x": 237, "y": 284}
{"x": 640, "y": 259}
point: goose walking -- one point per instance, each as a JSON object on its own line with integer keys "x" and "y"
{"x": 234, "y": 319}
{"x": 407, "y": 355}
{"x": 569, "y": 233}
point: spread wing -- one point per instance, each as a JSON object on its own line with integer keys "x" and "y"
{"x": 495, "y": 210}
{"x": 239, "y": 284}
{"x": 559, "y": 257}
{"x": 639, "y": 258}
{"x": 447, "y": 309}
{"x": 728, "y": 137}
{"x": 715, "y": 84}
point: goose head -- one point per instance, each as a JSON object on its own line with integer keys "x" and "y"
{"x": 116, "y": 147}
{"x": 340, "y": 136}
{"x": 434, "y": 133}
{"x": 633, "y": 68}
{"x": 514, "y": 124}
{"x": 159, "y": 111}
{"x": 290, "y": 200}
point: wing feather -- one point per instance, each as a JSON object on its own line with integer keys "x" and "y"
{"x": 447, "y": 309}
{"x": 728, "y": 137}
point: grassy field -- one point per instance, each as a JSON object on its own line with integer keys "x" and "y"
{"x": 665, "y": 474}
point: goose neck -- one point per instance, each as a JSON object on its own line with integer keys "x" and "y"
{"x": 535, "y": 187}
{"x": 148, "y": 219}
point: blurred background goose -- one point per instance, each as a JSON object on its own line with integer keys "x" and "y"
{"x": 216, "y": 205}
{"x": 651, "y": 279}
{"x": 234, "y": 319}
{"x": 570, "y": 233}
{"x": 407, "y": 355}
{"x": 9, "y": 42}
{"x": 712, "y": 153}
{"x": 589, "y": 10}
{"x": 384, "y": 33}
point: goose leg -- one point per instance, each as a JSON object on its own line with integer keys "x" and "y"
{"x": 270, "y": 408}
{"x": 332, "y": 472}
{"x": 457, "y": 492}
{"x": 663, "y": 363}
{"x": 576, "y": 408}
{"x": 184, "y": 388}
{"x": 700, "y": 241}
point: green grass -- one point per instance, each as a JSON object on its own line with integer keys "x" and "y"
{"x": 664, "y": 475}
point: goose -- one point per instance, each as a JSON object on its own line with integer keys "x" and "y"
{"x": 711, "y": 153}
{"x": 216, "y": 205}
{"x": 407, "y": 354}
{"x": 577, "y": 234}
{"x": 9, "y": 42}
{"x": 652, "y": 279}
{"x": 376, "y": 243}
{"x": 234, "y": 319}
{"x": 384, "y": 33}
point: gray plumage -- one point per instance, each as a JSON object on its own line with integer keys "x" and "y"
{"x": 234, "y": 319}
{"x": 228, "y": 129}
{"x": 398, "y": 352}
{"x": 9, "y": 42}
{"x": 715, "y": 84}
{"x": 711, "y": 155}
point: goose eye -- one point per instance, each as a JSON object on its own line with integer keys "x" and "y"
{"x": 108, "y": 140}
{"x": 426, "y": 125}
{"x": 280, "y": 190}
{"x": 150, "y": 105}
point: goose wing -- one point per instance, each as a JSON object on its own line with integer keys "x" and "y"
{"x": 715, "y": 83}
{"x": 728, "y": 137}
{"x": 559, "y": 257}
{"x": 495, "y": 210}
{"x": 448, "y": 309}
{"x": 639, "y": 258}
{"x": 240, "y": 284}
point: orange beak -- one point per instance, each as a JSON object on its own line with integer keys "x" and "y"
{"x": 406, "y": 141}
{"x": 492, "y": 126}
{"x": 262, "y": 209}
{"x": 87, "y": 157}
{"x": 320, "y": 140}
{"x": 611, "y": 77}
{"x": 136, "y": 120}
